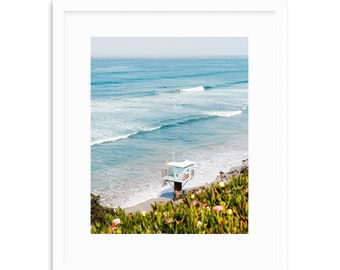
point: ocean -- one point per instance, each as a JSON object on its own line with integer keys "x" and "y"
{"x": 145, "y": 112}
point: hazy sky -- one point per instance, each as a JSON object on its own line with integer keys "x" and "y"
{"x": 168, "y": 46}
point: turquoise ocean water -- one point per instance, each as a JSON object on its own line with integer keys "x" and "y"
{"x": 144, "y": 110}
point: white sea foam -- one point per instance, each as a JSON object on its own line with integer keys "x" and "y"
{"x": 117, "y": 138}
{"x": 113, "y": 139}
{"x": 193, "y": 89}
{"x": 152, "y": 129}
{"x": 223, "y": 113}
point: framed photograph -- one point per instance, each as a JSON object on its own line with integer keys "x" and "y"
{"x": 170, "y": 134}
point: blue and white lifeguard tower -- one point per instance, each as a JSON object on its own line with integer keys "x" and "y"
{"x": 178, "y": 174}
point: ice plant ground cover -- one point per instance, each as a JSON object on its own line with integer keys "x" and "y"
{"x": 222, "y": 208}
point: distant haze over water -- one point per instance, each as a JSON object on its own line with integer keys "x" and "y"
{"x": 168, "y": 47}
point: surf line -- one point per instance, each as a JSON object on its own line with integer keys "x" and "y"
{"x": 204, "y": 116}
{"x": 117, "y": 138}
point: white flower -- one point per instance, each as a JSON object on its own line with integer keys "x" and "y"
{"x": 222, "y": 184}
{"x": 218, "y": 208}
{"x": 116, "y": 221}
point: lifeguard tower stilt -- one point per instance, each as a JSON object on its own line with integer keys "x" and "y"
{"x": 178, "y": 173}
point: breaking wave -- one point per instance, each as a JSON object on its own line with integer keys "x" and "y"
{"x": 205, "y": 116}
{"x": 223, "y": 113}
{"x": 117, "y": 138}
{"x": 193, "y": 89}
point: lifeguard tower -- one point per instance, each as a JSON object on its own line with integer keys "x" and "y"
{"x": 177, "y": 175}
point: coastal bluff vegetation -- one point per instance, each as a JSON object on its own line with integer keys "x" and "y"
{"x": 220, "y": 208}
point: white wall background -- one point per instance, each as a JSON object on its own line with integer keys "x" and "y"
{"x": 25, "y": 134}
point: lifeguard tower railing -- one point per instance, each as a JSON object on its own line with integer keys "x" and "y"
{"x": 169, "y": 175}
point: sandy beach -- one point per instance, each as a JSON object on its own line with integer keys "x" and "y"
{"x": 221, "y": 176}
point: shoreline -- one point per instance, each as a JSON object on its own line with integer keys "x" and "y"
{"x": 222, "y": 176}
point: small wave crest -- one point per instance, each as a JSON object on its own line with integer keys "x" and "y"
{"x": 117, "y": 138}
{"x": 193, "y": 89}
{"x": 223, "y": 113}
{"x": 237, "y": 82}
{"x": 112, "y": 139}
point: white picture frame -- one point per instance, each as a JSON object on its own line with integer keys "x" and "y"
{"x": 265, "y": 24}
